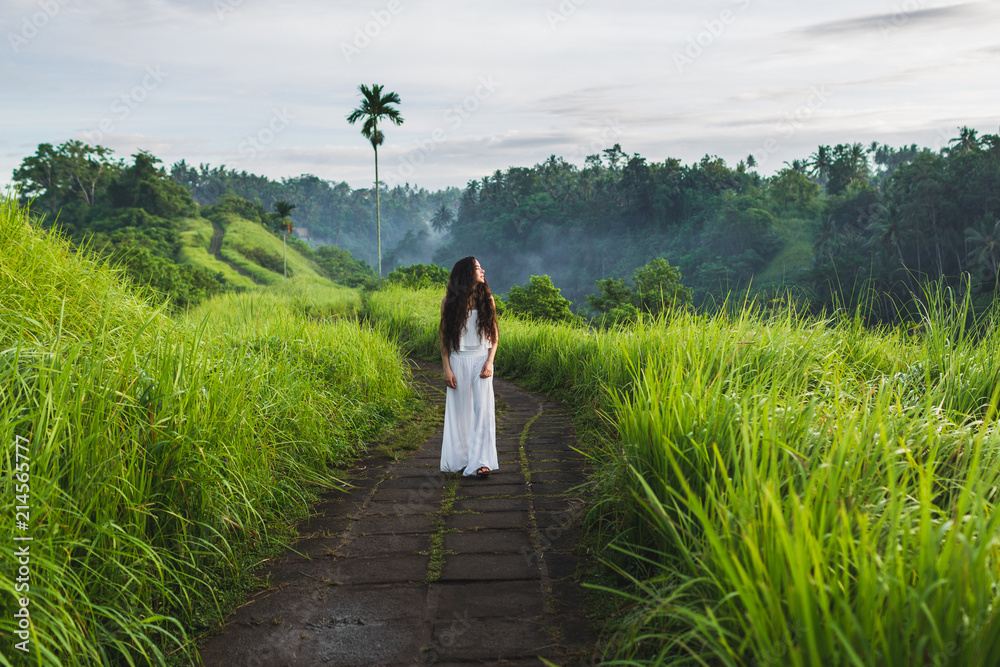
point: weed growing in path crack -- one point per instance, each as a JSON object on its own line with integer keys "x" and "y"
{"x": 437, "y": 553}
{"x": 523, "y": 452}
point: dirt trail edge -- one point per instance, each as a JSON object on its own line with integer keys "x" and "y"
{"x": 215, "y": 250}
{"x": 413, "y": 566}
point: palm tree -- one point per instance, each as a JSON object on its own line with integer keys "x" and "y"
{"x": 283, "y": 209}
{"x": 442, "y": 219}
{"x": 820, "y": 164}
{"x": 858, "y": 161}
{"x": 985, "y": 246}
{"x": 967, "y": 141}
{"x": 376, "y": 107}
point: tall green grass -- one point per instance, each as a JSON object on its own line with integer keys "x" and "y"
{"x": 163, "y": 452}
{"x": 779, "y": 490}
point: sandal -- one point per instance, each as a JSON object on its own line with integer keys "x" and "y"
{"x": 482, "y": 471}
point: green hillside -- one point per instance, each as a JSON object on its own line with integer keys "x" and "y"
{"x": 795, "y": 255}
{"x": 196, "y": 241}
{"x": 256, "y": 250}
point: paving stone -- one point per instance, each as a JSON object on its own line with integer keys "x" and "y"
{"x": 386, "y": 569}
{"x": 490, "y": 504}
{"x": 489, "y": 541}
{"x": 316, "y": 526}
{"x": 488, "y": 567}
{"x": 353, "y": 644}
{"x": 565, "y": 454}
{"x": 508, "y": 476}
{"x": 392, "y": 525}
{"x": 297, "y": 571}
{"x": 493, "y": 520}
{"x": 319, "y": 547}
{"x": 416, "y": 469}
{"x": 561, "y": 565}
{"x": 552, "y": 488}
{"x": 490, "y": 639}
{"x": 561, "y": 476}
{"x": 519, "y": 599}
{"x": 416, "y": 503}
{"x": 402, "y": 485}
{"x": 373, "y": 602}
{"x": 558, "y": 503}
{"x": 557, "y": 465}
{"x": 499, "y": 490}
{"x": 371, "y": 545}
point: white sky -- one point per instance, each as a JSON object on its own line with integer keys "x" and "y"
{"x": 265, "y": 86}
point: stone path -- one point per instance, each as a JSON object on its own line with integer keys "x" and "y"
{"x": 413, "y": 566}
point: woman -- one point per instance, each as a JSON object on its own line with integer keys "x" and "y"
{"x": 469, "y": 337}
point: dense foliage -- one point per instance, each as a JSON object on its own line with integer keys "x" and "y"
{"x": 539, "y": 300}
{"x": 129, "y": 213}
{"x": 850, "y": 220}
{"x": 936, "y": 218}
{"x": 658, "y": 288}
{"x": 417, "y": 276}
{"x": 617, "y": 213}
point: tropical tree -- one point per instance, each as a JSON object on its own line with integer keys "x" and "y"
{"x": 374, "y": 108}
{"x": 966, "y": 142}
{"x": 283, "y": 209}
{"x": 819, "y": 164}
{"x": 443, "y": 218}
{"x": 540, "y": 300}
{"x": 984, "y": 248}
{"x": 71, "y": 174}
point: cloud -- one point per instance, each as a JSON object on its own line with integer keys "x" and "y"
{"x": 931, "y": 16}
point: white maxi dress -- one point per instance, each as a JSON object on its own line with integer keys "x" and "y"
{"x": 470, "y": 434}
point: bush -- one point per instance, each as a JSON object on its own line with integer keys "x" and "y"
{"x": 539, "y": 300}
{"x": 657, "y": 288}
{"x": 341, "y": 266}
{"x": 418, "y": 276}
{"x": 269, "y": 260}
{"x": 248, "y": 210}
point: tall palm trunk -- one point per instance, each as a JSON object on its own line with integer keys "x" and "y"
{"x": 378, "y": 218}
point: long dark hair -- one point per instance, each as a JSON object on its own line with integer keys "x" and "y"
{"x": 464, "y": 294}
